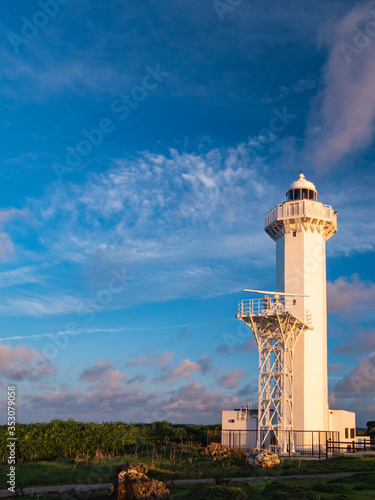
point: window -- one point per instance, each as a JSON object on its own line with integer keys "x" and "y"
{"x": 230, "y": 421}
{"x": 346, "y": 433}
{"x": 297, "y": 194}
{"x": 311, "y": 195}
{"x": 351, "y": 433}
{"x": 305, "y": 194}
{"x": 290, "y": 196}
{"x": 294, "y": 234}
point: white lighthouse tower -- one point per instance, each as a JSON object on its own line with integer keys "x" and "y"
{"x": 301, "y": 226}
{"x": 290, "y": 327}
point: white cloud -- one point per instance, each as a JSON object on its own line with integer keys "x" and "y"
{"x": 19, "y": 276}
{"x": 39, "y": 305}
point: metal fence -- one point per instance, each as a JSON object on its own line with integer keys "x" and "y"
{"x": 350, "y": 447}
{"x": 298, "y": 443}
{"x": 277, "y": 305}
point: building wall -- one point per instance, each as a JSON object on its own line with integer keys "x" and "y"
{"x": 239, "y": 429}
{"x": 343, "y": 422}
{"x": 301, "y": 269}
{"x": 239, "y": 420}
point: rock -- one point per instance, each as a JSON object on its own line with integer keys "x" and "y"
{"x": 262, "y": 458}
{"x": 138, "y": 467}
{"x": 133, "y": 484}
{"x": 216, "y": 451}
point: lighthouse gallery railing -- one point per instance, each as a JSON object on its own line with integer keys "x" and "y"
{"x": 301, "y": 208}
{"x": 269, "y": 306}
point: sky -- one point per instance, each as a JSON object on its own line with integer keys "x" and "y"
{"x": 142, "y": 144}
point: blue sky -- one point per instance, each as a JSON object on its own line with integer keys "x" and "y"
{"x": 141, "y": 146}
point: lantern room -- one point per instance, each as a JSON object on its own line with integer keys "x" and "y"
{"x": 301, "y": 189}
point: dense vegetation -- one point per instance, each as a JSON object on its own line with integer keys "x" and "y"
{"x": 65, "y": 439}
{"x": 371, "y": 428}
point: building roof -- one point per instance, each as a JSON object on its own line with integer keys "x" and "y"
{"x": 302, "y": 183}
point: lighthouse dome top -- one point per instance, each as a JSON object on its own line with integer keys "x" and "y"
{"x": 301, "y": 189}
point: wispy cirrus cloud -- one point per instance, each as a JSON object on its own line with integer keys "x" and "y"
{"x": 343, "y": 117}
{"x": 7, "y": 252}
{"x": 39, "y": 305}
{"x": 20, "y": 276}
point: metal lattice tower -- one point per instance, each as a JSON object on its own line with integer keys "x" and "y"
{"x": 276, "y": 324}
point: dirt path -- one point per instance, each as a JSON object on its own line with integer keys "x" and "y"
{"x": 87, "y": 487}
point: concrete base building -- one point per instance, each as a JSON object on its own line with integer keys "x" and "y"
{"x": 290, "y": 328}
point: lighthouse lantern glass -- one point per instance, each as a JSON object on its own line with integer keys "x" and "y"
{"x": 301, "y": 194}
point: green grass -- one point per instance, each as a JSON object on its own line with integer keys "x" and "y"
{"x": 171, "y": 462}
{"x": 360, "y": 486}
{"x": 339, "y": 464}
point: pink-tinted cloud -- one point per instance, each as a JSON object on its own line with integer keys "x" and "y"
{"x": 6, "y": 215}
{"x": 22, "y": 363}
{"x": 356, "y": 390}
{"x": 335, "y": 367}
{"x": 101, "y": 401}
{"x": 113, "y": 378}
{"x": 342, "y": 121}
{"x": 231, "y": 379}
{"x": 185, "y": 368}
{"x": 350, "y": 295}
{"x": 6, "y": 246}
{"x": 360, "y": 381}
{"x": 95, "y": 372}
{"x": 359, "y": 342}
{"x": 151, "y": 360}
{"x": 205, "y": 363}
{"x": 113, "y": 399}
{"x": 195, "y": 402}
{"x": 233, "y": 348}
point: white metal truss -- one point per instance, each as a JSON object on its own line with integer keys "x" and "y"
{"x": 276, "y": 328}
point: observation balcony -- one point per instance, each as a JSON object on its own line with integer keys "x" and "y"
{"x": 292, "y": 216}
{"x": 277, "y": 305}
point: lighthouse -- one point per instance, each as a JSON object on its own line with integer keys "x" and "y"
{"x": 290, "y": 328}
{"x": 301, "y": 226}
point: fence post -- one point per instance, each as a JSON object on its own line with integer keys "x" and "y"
{"x": 289, "y": 443}
{"x": 353, "y": 446}
{"x": 364, "y": 444}
{"x": 326, "y": 448}
{"x": 312, "y": 443}
{"x": 319, "y": 443}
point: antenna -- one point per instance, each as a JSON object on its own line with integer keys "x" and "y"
{"x": 277, "y": 293}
